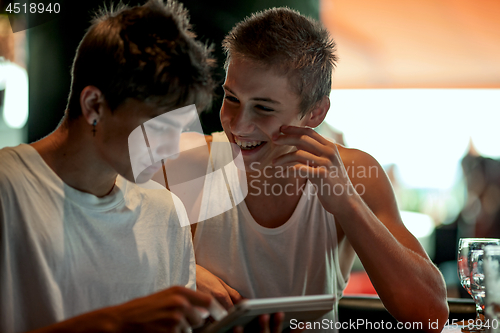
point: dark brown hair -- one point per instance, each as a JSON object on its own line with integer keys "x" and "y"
{"x": 147, "y": 53}
{"x": 291, "y": 44}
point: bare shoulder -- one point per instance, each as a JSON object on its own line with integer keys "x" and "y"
{"x": 369, "y": 179}
{"x": 374, "y": 187}
{"x": 353, "y": 154}
{"x": 361, "y": 167}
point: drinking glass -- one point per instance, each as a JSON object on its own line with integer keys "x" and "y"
{"x": 492, "y": 281}
{"x": 470, "y": 256}
{"x": 477, "y": 288}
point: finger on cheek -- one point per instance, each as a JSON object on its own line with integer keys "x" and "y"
{"x": 291, "y": 129}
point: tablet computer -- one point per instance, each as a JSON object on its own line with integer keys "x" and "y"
{"x": 302, "y": 308}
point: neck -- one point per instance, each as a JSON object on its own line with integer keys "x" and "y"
{"x": 70, "y": 152}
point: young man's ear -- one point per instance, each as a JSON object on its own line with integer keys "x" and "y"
{"x": 91, "y": 102}
{"x": 316, "y": 116}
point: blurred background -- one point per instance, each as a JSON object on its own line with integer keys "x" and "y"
{"x": 417, "y": 86}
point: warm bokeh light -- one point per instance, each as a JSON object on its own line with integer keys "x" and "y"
{"x": 415, "y": 43}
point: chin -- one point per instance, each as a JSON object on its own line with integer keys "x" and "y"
{"x": 253, "y": 165}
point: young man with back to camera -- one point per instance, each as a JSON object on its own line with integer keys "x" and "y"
{"x": 83, "y": 248}
{"x": 302, "y": 240}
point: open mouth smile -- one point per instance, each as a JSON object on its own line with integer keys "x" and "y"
{"x": 248, "y": 145}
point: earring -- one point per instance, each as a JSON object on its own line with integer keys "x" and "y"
{"x": 93, "y": 127}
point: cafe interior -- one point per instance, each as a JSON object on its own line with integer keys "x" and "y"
{"x": 417, "y": 86}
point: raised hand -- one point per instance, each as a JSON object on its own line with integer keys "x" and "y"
{"x": 319, "y": 159}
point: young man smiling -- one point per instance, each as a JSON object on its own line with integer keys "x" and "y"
{"x": 278, "y": 79}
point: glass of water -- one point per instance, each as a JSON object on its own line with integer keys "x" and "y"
{"x": 491, "y": 264}
{"x": 470, "y": 271}
{"x": 477, "y": 287}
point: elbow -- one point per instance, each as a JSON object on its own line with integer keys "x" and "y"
{"x": 433, "y": 305}
{"x": 439, "y": 317}
{"x": 431, "y": 319}
{"x": 429, "y": 310}
{"x": 439, "y": 312}
{"x": 435, "y": 314}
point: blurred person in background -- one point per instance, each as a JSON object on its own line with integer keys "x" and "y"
{"x": 482, "y": 209}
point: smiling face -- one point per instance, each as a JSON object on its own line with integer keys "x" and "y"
{"x": 257, "y": 103}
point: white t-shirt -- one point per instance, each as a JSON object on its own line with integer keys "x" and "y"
{"x": 297, "y": 258}
{"x": 64, "y": 252}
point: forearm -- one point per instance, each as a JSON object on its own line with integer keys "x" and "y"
{"x": 408, "y": 283}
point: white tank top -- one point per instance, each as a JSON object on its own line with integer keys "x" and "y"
{"x": 299, "y": 257}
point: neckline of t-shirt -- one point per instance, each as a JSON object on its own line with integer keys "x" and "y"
{"x": 291, "y": 221}
{"x": 83, "y": 199}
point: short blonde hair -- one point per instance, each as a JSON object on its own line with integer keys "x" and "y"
{"x": 294, "y": 45}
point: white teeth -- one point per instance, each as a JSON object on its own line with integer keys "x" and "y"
{"x": 247, "y": 144}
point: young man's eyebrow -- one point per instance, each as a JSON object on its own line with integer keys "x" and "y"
{"x": 227, "y": 88}
{"x": 260, "y": 99}
{"x": 264, "y": 99}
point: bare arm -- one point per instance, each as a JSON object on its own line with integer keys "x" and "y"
{"x": 410, "y": 286}
{"x": 408, "y": 283}
{"x": 171, "y": 310}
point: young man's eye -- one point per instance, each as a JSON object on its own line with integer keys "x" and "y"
{"x": 231, "y": 99}
{"x": 264, "y": 108}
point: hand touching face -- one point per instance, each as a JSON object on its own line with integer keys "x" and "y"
{"x": 257, "y": 103}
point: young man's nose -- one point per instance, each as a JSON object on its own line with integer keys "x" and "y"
{"x": 241, "y": 123}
